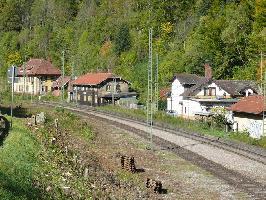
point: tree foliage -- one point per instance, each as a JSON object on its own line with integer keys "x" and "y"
{"x": 113, "y": 35}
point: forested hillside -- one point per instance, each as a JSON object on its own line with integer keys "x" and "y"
{"x": 113, "y": 34}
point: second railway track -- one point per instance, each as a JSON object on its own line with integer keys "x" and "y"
{"x": 247, "y": 151}
{"x": 251, "y": 182}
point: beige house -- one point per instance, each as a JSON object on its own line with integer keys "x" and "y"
{"x": 36, "y": 77}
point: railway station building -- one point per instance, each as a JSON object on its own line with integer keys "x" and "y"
{"x": 97, "y": 89}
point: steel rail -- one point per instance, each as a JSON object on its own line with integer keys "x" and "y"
{"x": 247, "y": 151}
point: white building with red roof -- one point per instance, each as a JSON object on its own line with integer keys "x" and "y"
{"x": 100, "y": 88}
{"x": 36, "y": 77}
{"x": 248, "y": 115}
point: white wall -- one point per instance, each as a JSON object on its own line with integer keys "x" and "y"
{"x": 176, "y": 90}
{"x": 19, "y": 86}
{"x": 190, "y": 107}
{"x": 169, "y": 104}
{"x": 252, "y": 126}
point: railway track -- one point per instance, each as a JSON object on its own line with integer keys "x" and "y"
{"x": 251, "y": 152}
{"x": 248, "y": 184}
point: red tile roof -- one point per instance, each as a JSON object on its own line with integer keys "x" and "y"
{"x": 60, "y": 82}
{"x": 37, "y": 67}
{"x": 164, "y": 93}
{"x": 92, "y": 78}
{"x": 250, "y": 104}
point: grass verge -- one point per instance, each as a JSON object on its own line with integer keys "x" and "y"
{"x": 189, "y": 125}
{"x": 32, "y": 167}
{"x": 19, "y": 160}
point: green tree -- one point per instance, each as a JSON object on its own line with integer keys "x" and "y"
{"x": 122, "y": 39}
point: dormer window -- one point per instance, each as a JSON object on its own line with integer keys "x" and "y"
{"x": 249, "y": 92}
{"x": 211, "y": 91}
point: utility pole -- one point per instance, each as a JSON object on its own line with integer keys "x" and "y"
{"x": 32, "y": 89}
{"x": 27, "y": 86}
{"x": 63, "y": 76}
{"x": 72, "y": 71}
{"x": 150, "y": 83}
{"x": 156, "y": 92}
{"x": 24, "y": 81}
{"x": 150, "y": 90}
{"x": 263, "y": 87}
{"x": 12, "y": 95}
{"x": 71, "y": 79}
{"x": 114, "y": 90}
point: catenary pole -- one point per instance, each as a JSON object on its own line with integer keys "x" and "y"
{"x": 63, "y": 76}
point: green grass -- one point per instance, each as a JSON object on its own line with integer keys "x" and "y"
{"x": 70, "y": 121}
{"x": 30, "y": 164}
{"x": 19, "y": 159}
{"x": 203, "y": 128}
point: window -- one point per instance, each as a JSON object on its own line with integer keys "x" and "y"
{"x": 206, "y": 91}
{"x": 108, "y": 87}
{"x": 210, "y": 91}
{"x": 118, "y": 88}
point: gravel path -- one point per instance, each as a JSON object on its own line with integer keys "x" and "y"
{"x": 181, "y": 179}
{"x": 230, "y": 160}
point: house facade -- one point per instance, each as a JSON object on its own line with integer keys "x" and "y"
{"x": 202, "y": 98}
{"x": 193, "y": 95}
{"x": 180, "y": 84}
{"x": 99, "y": 89}
{"x": 36, "y": 77}
{"x": 59, "y": 83}
{"x": 248, "y": 116}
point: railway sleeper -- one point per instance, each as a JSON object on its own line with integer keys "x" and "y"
{"x": 128, "y": 163}
{"x": 154, "y": 185}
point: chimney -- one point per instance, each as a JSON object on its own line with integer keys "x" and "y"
{"x": 208, "y": 71}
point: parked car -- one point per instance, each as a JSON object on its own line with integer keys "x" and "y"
{"x": 172, "y": 113}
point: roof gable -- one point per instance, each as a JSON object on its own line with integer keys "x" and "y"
{"x": 250, "y": 104}
{"x": 196, "y": 88}
{"x": 38, "y": 67}
{"x": 236, "y": 87}
{"x": 232, "y": 87}
{"x": 60, "y": 81}
{"x": 92, "y": 78}
{"x": 190, "y": 79}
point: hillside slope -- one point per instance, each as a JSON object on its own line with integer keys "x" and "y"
{"x": 104, "y": 34}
